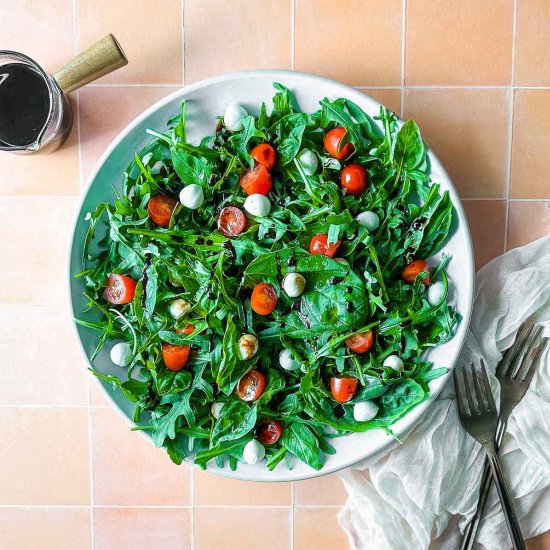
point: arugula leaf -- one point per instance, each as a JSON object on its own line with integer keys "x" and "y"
{"x": 302, "y": 443}
{"x": 236, "y": 419}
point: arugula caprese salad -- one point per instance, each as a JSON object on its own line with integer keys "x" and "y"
{"x": 270, "y": 288}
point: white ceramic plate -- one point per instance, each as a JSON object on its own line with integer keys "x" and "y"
{"x": 206, "y": 101}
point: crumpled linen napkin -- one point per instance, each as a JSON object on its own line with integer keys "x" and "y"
{"x": 421, "y": 494}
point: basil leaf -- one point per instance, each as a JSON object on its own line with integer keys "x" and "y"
{"x": 300, "y": 441}
{"x": 236, "y": 419}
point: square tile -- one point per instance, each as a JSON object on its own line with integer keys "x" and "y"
{"x": 41, "y": 362}
{"x": 532, "y": 62}
{"x": 318, "y": 528}
{"x": 530, "y": 145}
{"x": 150, "y": 35}
{"x": 521, "y": 229}
{"x": 45, "y": 456}
{"x": 129, "y": 470}
{"x": 486, "y": 220}
{"x": 37, "y": 249}
{"x": 230, "y": 528}
{"x": 320, "y": 491}
{"x": 469, "y": 131}
{"x": 214, "y": 490}
{"x": 389, "y": 97}
{"x": 33, "y": 28}
{"x": 459, "y": 43}
{"x": 45, "y": 528}
{"x": 365, "y": 40}
{"x": 106, "y": 111}
{"x": 142, "y": 528}
{"x": 223, "y": 37}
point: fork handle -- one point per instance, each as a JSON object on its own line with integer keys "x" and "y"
{"x": 506, "y": 502}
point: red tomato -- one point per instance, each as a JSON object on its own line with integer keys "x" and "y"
{"x": 231, "y": 221}
{"x": 411, "y": 272}
{"x": 333, "y": 144}
{"x": 362, "y": 342}
{"x": 354, "y": 179}
{"x": 343, "y": 389}
{"x": 251, "y": 385}
{"x": 160, "y": 208}
{"x": 269, "y": 431}
{"x": 264, "y": 154}
{"x": 120, "y": 289}
{"x": 175, "y": 357}
{"x": 256, "y": 180}
{"x": 263, "y": 299}
{"x": 318, "y": 245}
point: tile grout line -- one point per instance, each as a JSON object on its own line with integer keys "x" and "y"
{"x": 175, "y": 506}
{"x": 293, "y": 34}
{"x": 292, "y": 508}
{"x": 182, "y": 22}
{"x": 403, "y": 56}
{"x": 510, "y": 130}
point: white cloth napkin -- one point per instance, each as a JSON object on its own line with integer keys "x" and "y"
{"x": 426, "y": 489}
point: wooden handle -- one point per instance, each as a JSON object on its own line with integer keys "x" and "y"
{"x": 103, "y": 57}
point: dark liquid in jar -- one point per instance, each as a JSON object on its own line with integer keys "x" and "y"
{"x": 24, "y": 104}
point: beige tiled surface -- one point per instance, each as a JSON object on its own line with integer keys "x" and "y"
{"x": 449, "y": 64}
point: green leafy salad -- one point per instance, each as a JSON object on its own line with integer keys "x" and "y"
{"x": 267, "y": 290}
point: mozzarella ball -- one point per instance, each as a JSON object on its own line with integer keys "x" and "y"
{"x": 287, "y": 361}
{"x": 192, "y": 196}
{"x": 308, "y": 161}
{"x": 394, "y": 362}
{"x": 436, "y": 293}
{"x": 342, "y": 261}
{"x": 233, "y": 117}
{"x": 369, "y": 220}
{"x": 216, "y": 408}
{"x": 248, "y": 346}
{"x": 179, "y": 307}
{"x": 294, "y": 284}
{"x": 121, "y": 354}
{"x": 257, "y": 205}
{"x": 365, "y": 410}
{"x": 253, "y": 452}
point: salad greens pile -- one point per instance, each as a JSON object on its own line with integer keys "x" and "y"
{"x": 191, "y": 259}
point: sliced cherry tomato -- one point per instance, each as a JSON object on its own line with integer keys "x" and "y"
{"x": 231, "y": 221}
{"x": 411, "y": 272}
{"x": 343, "y": 389}
{"x": 264, "y": 154}
{"x": 269, "y": 431}
{"x": 251, "y": 385}
{"x": 354, "y": 179}
{"x": 257, "y": 180}
{"x": 263, "y": 299}
{"x": 187, "y": 330}
{"x": 120, "y": 289}
{"x": 362, "y": 342}
{"x": 333, "y": 144}
{"x": 175, "y": 357}
{"x": 318, "y": 245}
{"x": 160, "y": 208}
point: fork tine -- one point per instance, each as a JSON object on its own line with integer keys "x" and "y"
{"x": 488, "y": 392}
{"x": 480, "y": 401}
{"x": 459, "y": 397}
{"x": 514, "y": 350}
{"x": 529, "y": 347}
{"x": 468, "y": 391}
{"x": 530, "y": 371}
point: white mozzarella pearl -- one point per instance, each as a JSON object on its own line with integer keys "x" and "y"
{"x": 308, "y": 161}
{"x": 179, "y": 307}
{"x": 257, "y": 205}
{"x": 287, "y": 361}
{"x": 395, "y": 362}
{"x": 369, "y": 220}
{"x": 192, "y": 196}
{"x": 253, "y": 452}
{"x": 436, "y": 293}
{"x": 121, "y": 354}
{"x": 216, "y": 408}
{"x": 248, "y": 346}
{"x": 233, "y": 117}
{"x": 294, "y": 284}
{"x": 365, "y": 411}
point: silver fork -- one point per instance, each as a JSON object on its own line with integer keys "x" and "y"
{"x": 479, "y": 417}
{"x": 514, "y": 372}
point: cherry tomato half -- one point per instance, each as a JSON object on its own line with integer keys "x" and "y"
{"x": 333, "y": 144}
{"x": 256, "y": 180}
{"x": 354, "y": 179}
{"x": 343, "y": 389}
{"x": 362, "y": 342}
{"x": 264, "y": 154}
{"x": 187, "y": 330}
{"x": 411, "y": 272}
{"x": 120, "y": 289}
{"x": 231, "y": 221}
{"x": 263, "y": 299}
{"x": 269, "y": 431}
{"x": 318, "y": 245}
{"x": 175, "y": 357}
{"x": 251, "y": 385}
{"x": 160, "y": 208}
